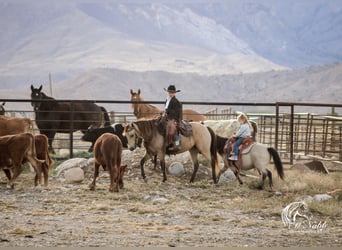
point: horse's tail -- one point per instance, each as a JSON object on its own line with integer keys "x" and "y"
{"x": 277, "y": 162}
{"x": 255, "y": 129}
{"x": 213, "y": 156}
{"x": 105, "y": 116}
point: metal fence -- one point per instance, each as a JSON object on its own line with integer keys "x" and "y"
{"x": 282, "y": 126}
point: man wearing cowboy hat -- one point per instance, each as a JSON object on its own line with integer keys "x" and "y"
{"x": 173, "y": 110}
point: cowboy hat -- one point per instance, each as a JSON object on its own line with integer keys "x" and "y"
{"x": 171, "y": 89}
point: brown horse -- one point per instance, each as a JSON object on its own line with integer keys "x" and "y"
{"x": 202, "y": 140}
{"x": 147, "y": 111}
{"x": 53, "y": 116}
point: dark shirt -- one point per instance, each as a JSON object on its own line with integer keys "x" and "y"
{"x": 174, "y": 110}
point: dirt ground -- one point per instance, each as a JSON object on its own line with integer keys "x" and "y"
{"x": 175, "y": 213}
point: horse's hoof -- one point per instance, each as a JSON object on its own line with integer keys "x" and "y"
{"x": 145, "y": 179}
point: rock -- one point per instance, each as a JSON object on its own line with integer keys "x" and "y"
{"x": 159, "y": 200}
{"x": 72, "y": 163}
{"x": 322, "y": 197}
{"x": 300, "y": 167}
{"x": 227, "y": 176}
{"x": 317, "y": 166}
{"x": 156, "y": 199}
{"x": 74, "y": 175}
{"x": 176, "y": 169}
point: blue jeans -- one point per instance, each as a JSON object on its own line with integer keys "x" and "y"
{"x": 237, "y": 145}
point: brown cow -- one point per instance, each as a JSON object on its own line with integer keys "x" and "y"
{"x": 12, "y": 126}
{"x": 107, "y": 152}
{"x": 16, "y": 149}
{"x": 42, "y": 151}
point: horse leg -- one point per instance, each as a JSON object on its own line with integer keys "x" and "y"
{"x": 50, "y": 135}
{"x": 162, "y": 164}
{"x": 237, "y": 173}
{"x": 155, "y": 162}
{"x": 261, "y": 185}
{"x": 269, "y": 174}
{"x": 193, "y": 154}
{"x": 142, "y": 162}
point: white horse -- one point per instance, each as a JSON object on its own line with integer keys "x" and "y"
{"x": 226, "y": 128}
{"x": 258, "y": 156}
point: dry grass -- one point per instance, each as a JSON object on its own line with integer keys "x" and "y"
{"x": 193, "y": 213}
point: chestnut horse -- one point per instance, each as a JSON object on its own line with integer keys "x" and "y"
{"x": 147, "y": 111}
{"x": 202, "y": 140}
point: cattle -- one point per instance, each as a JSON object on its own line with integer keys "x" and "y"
{"x": 107, "y": 153}
{"x": 12, "y": 126}
{"x": 16, "y": 149}
{"x": 93, "y": 134}
{"x": 42, "y": 151}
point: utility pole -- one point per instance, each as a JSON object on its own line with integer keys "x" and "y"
{"x": 50, "y": 82}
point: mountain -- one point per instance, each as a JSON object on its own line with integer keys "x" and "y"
{"x": 315, "y": 84}
{"x": 68, "y": 38}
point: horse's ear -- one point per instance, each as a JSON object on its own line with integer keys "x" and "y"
{"x": 40, "y": 88}
{"x": 32, "y": 87}
{"x": 3, "y": 103}
{"x": 138, "y": 91}
{"x": 131, "y": 91}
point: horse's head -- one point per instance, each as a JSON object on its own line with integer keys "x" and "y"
{"x": 2, "y": 109}
{"x": 130, "y": 132}
{"x": 135, "y": 99}
{"x": 36, "y": 94}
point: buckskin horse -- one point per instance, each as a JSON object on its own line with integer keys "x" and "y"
{"x": 54, "y": 116}
{"x": 147, "y": 111}
{"x": 202, "y": 140}
{"x": 257, "y": 156}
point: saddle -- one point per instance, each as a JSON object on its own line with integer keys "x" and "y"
{"x": 244, "y": 148}
{"x": 185, "y": 128}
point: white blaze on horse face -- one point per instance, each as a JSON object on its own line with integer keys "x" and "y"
{"x": 131, "y": 139}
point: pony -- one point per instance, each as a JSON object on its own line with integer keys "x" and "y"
{"x": 54, "y": 116}
{"x": 2, "y": 109}
{"x": 258, "y": 157}
{"x": 147, "y": 111}
{"x": 202, "y": 140}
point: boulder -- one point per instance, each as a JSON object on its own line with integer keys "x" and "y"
{"x": 176, "y": 169}
{"x": 74, "y": 175}
{"x": 71, "y": 163}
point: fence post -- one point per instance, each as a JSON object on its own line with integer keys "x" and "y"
{"x": 276, "y": 127}
{"x": 291, "y": 133}
{"x": 71, "y": 132}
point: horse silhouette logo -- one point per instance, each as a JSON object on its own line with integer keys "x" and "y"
{"x": 295, "y": 214}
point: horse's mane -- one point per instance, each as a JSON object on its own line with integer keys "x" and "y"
{"x": 146, "y": 127}
{"x": 46, "y": 96}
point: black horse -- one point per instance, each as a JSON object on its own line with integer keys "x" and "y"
{"x": 2, "y": 109}
{"x": 54, "y": 116}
